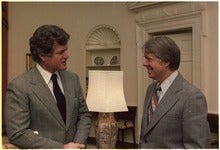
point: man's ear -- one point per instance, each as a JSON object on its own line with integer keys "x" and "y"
{"x": 42, "y": 57}
{"x": 166, "y": 64}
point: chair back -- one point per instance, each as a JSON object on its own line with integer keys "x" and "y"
{"x": 127, "y": 115}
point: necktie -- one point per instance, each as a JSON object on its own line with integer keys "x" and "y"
{"x": 61, "y": 104}
{"x": 154, "y": 101}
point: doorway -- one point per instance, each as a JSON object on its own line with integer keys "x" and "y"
{"x": 183, "y": 38}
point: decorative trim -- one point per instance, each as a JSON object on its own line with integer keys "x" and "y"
{"x": 163, "y": 11}
{"x": 103, "y": 36}
{"x": 140, "y": 6}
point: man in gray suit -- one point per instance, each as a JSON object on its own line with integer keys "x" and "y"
{"x": 35, "y": 116}
{"x": 175, "y": 111}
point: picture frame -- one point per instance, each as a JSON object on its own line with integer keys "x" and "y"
{"x": 30, "y": 63}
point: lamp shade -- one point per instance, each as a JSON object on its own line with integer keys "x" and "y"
{"x": 105, "y": 91}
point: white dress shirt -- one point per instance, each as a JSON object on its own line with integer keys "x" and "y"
{"x": 166, "y": 84}
{"x": 47, "y": 78}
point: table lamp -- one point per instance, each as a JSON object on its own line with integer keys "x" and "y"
{"x": 106, "y": 96}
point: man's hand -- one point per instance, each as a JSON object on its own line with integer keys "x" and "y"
{"x": 74, "y": 145}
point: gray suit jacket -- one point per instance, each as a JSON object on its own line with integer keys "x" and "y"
{"x": 180, "y": 119}
{"x": 33, "y": 119}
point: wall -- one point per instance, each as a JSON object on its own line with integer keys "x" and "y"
{"x": 77, "y": 19}
{"x": 211, "y": 57}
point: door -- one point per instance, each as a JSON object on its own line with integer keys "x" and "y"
{"x": 184, "y": 41}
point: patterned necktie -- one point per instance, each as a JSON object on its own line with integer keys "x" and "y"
{"x": 154, "y": 101}
{"x": 61, "y": 104}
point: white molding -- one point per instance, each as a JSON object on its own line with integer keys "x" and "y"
{"x": 157, "y": 10}
{"x": 103, "y": 36}
{"x": 140, "y": 6}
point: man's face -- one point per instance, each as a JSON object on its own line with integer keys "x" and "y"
{"x": 58, "y": 59}
{"x": 157, "y": 69}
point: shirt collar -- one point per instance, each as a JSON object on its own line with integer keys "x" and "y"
{"x": 166, "y": 83}
{"x": 45, "y": 74}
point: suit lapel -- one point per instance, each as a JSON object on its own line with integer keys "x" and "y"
{"x": 146, "y": 105}
{"x": 41, "y": 90}
{"x": 69, "y": 95}
{"x": 167, "y": 102}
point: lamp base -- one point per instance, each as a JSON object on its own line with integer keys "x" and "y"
{"x": 106, "y": 130}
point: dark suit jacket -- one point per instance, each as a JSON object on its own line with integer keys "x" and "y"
{"x": 180, "y": 119}
{"x": 33, "y": 119}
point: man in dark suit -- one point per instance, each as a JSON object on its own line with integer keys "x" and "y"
{"x": 175, "y": 111}
{"x": 41, "y": 112}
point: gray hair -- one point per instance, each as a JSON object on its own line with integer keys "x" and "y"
{"x": 165, "y": 49}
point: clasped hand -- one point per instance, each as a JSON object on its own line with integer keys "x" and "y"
{"x": 74, "y": 145}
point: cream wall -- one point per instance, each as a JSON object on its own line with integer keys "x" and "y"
{"x": 210, "y": 58}
{"x": 77, "y": 19}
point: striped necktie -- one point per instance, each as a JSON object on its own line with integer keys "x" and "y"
{"x": 154, "y": 101}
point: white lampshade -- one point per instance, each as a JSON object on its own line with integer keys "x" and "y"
{"x": 105, "y": 91}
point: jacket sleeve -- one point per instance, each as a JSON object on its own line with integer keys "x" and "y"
{"x": 196, "y": 132}
{"x": 84, "y": 117}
